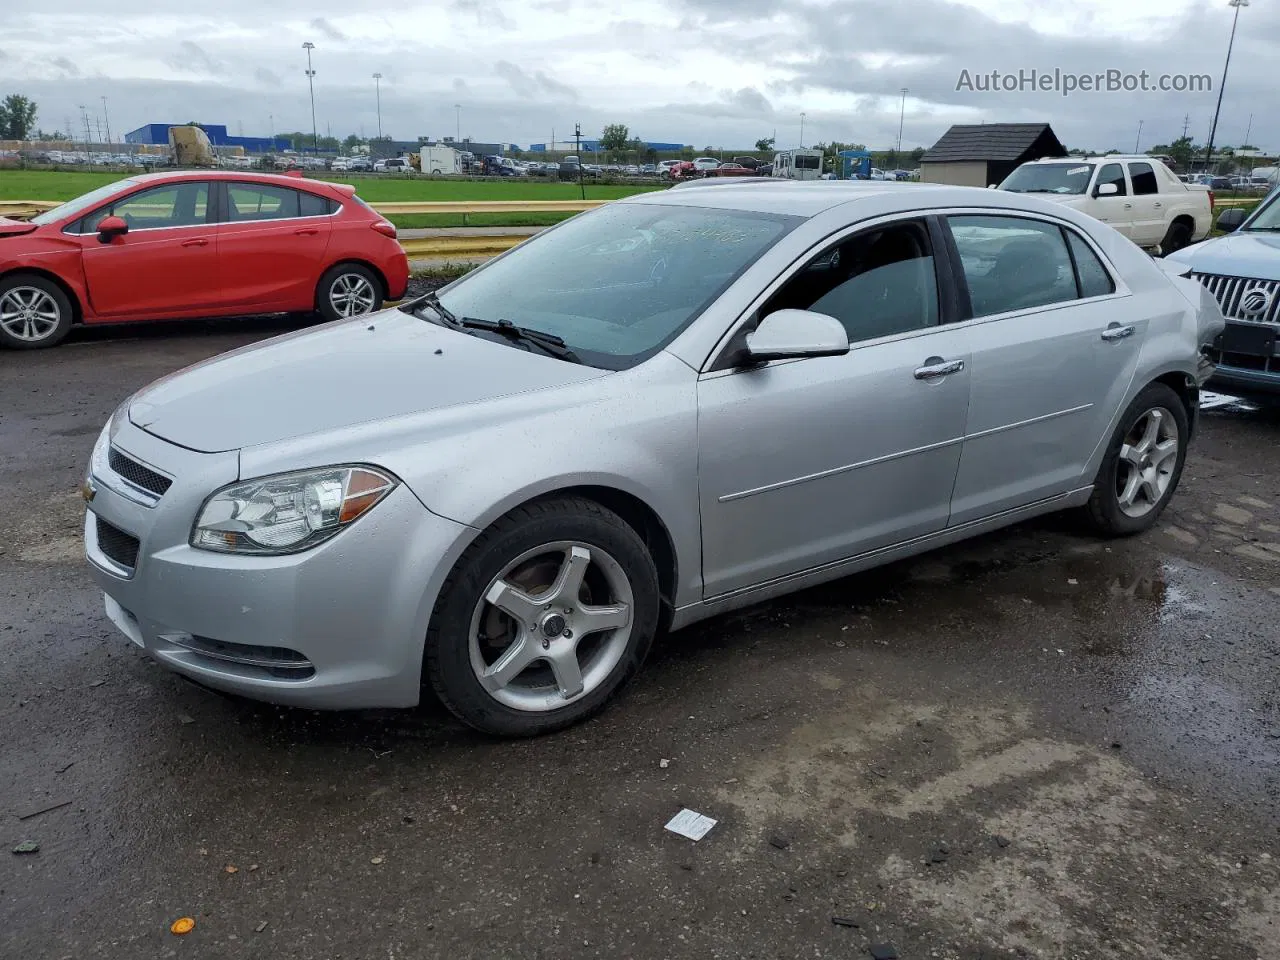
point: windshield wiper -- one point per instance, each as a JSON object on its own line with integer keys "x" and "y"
{"x": 1261, "y": 229}
{"x": 549, "y": 343}
{"x": 432, "y": 300}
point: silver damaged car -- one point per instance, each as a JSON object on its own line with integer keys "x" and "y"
{"x": 672, "y": 406}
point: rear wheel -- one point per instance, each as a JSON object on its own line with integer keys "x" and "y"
{"x": 348, "y": 290}
{"x": 1143, "y": 464}
{"x": 547, "y": 615}
{"x": 1178, "y": 236}
{"x": 34, "y": 312}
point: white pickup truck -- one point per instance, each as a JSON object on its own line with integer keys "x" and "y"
{"x": 1138, "y": 195}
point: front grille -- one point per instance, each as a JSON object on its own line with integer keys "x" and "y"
{"x": 1230, "y": 292}
{"x": 137, "y": 474}
{"x": 118, "y": 545}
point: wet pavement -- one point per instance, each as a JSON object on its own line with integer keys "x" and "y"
{"x": 1035, "y": 744}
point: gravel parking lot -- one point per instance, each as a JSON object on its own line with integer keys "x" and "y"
{"x": 1035, "y": 744}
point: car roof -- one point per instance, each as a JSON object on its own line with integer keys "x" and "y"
{"x": 240, "y": 175}
{"x": 804, "y": 198}
{"x": 1113, "y": 156}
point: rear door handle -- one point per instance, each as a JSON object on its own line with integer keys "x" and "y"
{"x": 1128, "y": 206}
{"x": 307, "y": 232}
{"x": 936, "y": 367}
{"x": 1117, "y": 332}
{"x": 196, "y": 242}
{"x": 1159, "y": 205}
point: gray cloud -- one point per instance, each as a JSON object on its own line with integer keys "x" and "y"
{"x": 534, "y": 84}
{"x": 485, "y": 13}
{"x": 63, "y": 64}
{"x": 267, "y": 78}
{"x": 192, "y": 58}
{"x": 328, "y": 29}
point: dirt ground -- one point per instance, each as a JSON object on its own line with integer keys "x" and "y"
{"x": 1035, "y": 744}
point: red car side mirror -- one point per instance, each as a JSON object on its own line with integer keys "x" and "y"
{"x": 111, "y": 227}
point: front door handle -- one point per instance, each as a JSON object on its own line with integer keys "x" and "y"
{"x": 307, "y": 232}
{"x": 1128, "y": 206}
{"x": 1116, "y": 331}
{"x": 936, "y": 367}
{"x": 1159, "y": 205}
{"x": 196, "y": 242}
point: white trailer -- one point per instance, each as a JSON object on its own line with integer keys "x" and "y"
{"x": 799, "y": 164}
{"x": 438, "y": 160}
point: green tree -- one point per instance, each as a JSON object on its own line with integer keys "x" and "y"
{"x": 351, "y": 142}
{"x": 916, "y": 154}
{"x": 614, "y": 138}
{"x": 765, "y": 144}
{"x": 17, "y": 117}
{"x": 1181, "y": 150}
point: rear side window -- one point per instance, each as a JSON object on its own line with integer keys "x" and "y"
{"x": 1113, "y": 173}
{"x": 312, "y": 205}
{"x": 257, "y": 201}
{"x": 1012, "y": 263}
{"x": 1091, "y": 274}
{"x": 1144, "y": 179}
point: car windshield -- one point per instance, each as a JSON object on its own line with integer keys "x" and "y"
{"x": 619, "y": 283}
{"x": 1267, "y": 218}
{"x": 83, "y": 202}
{"x": 1049, "y": 178}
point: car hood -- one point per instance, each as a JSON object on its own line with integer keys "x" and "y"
{"x": 340, "y": 375}
{"x": 1066, "y": 199}
{"x": 1246, "y": 254}
{"x": 15, "y": 228}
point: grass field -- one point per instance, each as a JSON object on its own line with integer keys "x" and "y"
{"x": 60, "y": 185}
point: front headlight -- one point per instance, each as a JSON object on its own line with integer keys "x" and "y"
{"x": 288, "y": 512}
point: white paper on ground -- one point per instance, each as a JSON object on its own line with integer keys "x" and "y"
{"x": 691, "y": 824}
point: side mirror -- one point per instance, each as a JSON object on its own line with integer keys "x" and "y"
{"x": 111, "y": 227}
{"x": 790, "y": 334}
{"x": 1106, "y": 190}
{"x": 1230, "y": 219}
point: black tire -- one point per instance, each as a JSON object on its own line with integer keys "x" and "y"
{"x": 1178, "y": 236}
{"x": 1104, "y": 512}
{"x": 36, "y": 332}
{"x": 348, "y": 277}
{"x": 447, "y": 663}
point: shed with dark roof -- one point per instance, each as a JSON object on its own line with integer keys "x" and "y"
{"x": 980, "y": 154}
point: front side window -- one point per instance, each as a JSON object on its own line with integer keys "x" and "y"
{"x": 876, "y": 283}
{"x": 1112, "y": 173}
{"x": 256, "y": 201}
{"x": 618, "y": 283}
{"x": 83, "y": 202}
{"x": 173, "y": 205}
{"x": 1012, "y": 263}
{"x": 1144, "y": 179}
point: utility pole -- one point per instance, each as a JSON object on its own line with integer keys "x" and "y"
{"x": 457, "y": 120}
{"x": 1248, "y": 129}
{"x": 1138, "y": 139}
{"x": 107, "y": 120}
{"x": 801, "y": 131}
{"x": 311, "y": 76}
{"x": 1213, "y": 129}
{"x": 902, "y": 112}
{"x": 377, "y": 92}
{"x": 577, "y": 139}
{"x": 1186, "y": 122}
{"x": 84, "y": 116}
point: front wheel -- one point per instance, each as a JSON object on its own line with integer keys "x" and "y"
{"x": 547, "y": 615}
{"x": 1179, "y": 236}
{"x": 1143, "y": 464}
{"x": 348, "y": 290}
{"x": 34, "y": 312}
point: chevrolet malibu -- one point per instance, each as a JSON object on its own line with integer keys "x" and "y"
{"x": 195, "y": 244}
{"x": 673, "y": 406}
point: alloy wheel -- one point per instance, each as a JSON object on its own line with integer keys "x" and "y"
{"x": 552, "y": 626}
{"x": 352, "y": 295}
{"x": 1148, "y": 457}
{"x": 29, "y": 314}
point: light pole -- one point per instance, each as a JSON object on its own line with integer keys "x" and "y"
{"x": 902, "y": 113}
{"x": 377, "y": 89}
{"x": 106, "y": 119}
{"x": 311, "y": 76}
{"x": 1213, "y": 129}
{"x": 457, "y": 117}
{"x": 1138, "y": 139}
{"x": 802, "y": 131}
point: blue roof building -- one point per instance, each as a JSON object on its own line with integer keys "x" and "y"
{"x": 157, "y": 134}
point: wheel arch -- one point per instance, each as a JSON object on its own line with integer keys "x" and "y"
{"x": 359, "y": 262}
{"x": 77, "y": 308}
{"x": 1184, "y": 385}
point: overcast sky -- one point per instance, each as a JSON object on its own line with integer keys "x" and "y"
{"x": 717, "y": 72}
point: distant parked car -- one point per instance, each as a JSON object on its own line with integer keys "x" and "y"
{"x": 706, "y": 164}
{"x": 195, "y": 244}
{"x": 732, "y": 170}
{"x": 683, "y": 170}
{"x": 396, "y": 165}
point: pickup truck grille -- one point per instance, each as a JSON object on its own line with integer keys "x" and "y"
{"x": 1239, "y": 296}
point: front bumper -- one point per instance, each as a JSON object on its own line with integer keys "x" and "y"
{"x": 339, "y": 626}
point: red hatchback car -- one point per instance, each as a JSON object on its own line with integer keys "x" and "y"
{"x": 195, "y": 244}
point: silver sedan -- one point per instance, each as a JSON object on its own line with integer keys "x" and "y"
{"x": 670, "y": 407}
